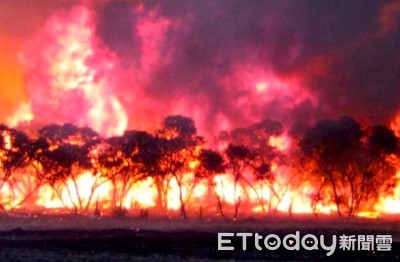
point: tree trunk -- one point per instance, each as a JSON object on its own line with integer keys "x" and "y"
{"x": 183, "y": 209}
{"x": 219, "y": 202}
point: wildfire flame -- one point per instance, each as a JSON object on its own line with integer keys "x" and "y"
{"x": 72, "y": 77}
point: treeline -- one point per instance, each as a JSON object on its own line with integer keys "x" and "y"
{"x": 350, "y": 166}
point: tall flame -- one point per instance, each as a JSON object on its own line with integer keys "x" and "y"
{"x": 71, "y": 76}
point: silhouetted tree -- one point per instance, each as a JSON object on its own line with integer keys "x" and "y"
{"x": 134, "y": 147}
{"x": 262, "y": 172}
{"x": 351, "y": 162}
{"x": 152, "y": 159}
{"x": 66, "y": 158}
{"x": 180, "y": 149}
{"x": 211, "y": 164}
{"x": 17, "y": 165}
{"x": 108, "y": 161}
{"x": 14, "y": 150}
{"x": 177, "y": 125}
{"x": 239, "y": 158}
{"x": 31, "y": 176}
{"x": 67, "y": 133}
{"x": 256, "y": 138}
{"x": 62, "y": 164}
{"x": 120, "y": 161}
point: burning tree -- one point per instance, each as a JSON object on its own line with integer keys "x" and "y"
{"x": 151, "y": 158}
{"x": 211, "y": 164}
{"x": 354, "y": 164}
{"x": 62, "y": 165}
{"x": 65, "y": 158}
{"x": 128, "y": 165}
{"x": 17, "y": 153}
{"x": 125, "y": 160}
{"x": 239, "y": 158}
{"x": 256, "y": 138}
{"x": 179, "y": 155}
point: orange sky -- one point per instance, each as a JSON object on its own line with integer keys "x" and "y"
{"x": 11, "y": 80}
{"x": 19, "y": 20}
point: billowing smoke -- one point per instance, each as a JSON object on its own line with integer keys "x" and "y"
{"x": 113, "y": 65}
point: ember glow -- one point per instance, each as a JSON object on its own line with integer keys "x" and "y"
{"x": 256, "y": 89}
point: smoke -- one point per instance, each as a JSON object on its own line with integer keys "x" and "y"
{"x": 223, "y": 63}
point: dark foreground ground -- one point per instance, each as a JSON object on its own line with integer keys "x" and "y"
{"x": 78, "y": 238}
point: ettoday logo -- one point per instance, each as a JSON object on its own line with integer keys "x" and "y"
{"x": 273, "y": 242}
{"x": 295, "y": 242}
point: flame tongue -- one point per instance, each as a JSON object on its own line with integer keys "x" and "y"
{"x": 72, "y": 77}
